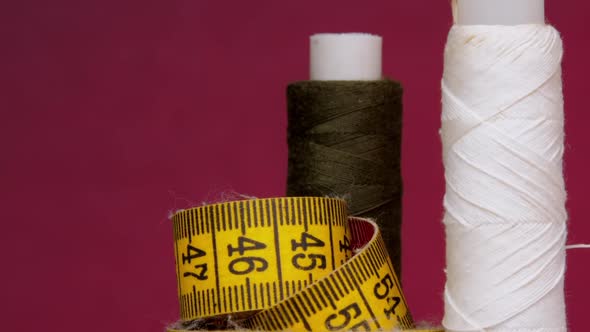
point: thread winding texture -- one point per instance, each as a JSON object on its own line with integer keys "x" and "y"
{"x": 505, "y": 217}
{"x": 344, "y": 140}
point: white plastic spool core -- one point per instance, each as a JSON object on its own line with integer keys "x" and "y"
{"x": 345, "y": 56}
{"x": 500, "y": 12}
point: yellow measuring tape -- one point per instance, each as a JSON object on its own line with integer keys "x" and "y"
{"x": 296, "y": 263}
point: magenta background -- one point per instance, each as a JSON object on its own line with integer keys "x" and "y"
{"x": 114, "y": 113}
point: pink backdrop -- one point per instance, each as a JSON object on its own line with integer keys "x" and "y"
{"x": 114, "y": 113}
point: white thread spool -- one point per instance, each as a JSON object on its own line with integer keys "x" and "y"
{"x": 502, "y": 132}
{"x": 345, "y": 56}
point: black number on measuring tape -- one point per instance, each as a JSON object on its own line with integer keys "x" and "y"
{"x": 382, "y": 288}
{"x": 381, "y": 292}
{"x": 394, "y": 302}
{"x": 244, "y": 244}
{"x": 192, "y": 253}
{"x": 313, "y": 259}
{"x": 344, "y": 245}
{"x": 245, "y": 265}
{"x": 307, "y": 240}
{"x": 202, "y": 275}
{"x": 309, "y": 261}
{"x": 341, "y": 320}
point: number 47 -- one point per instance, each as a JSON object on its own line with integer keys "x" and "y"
{"x": 187, "y": 258}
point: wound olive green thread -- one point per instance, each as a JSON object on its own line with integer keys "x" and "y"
{"x": 344, "y": 139}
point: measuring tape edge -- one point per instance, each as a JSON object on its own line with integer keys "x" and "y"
{"x": 246, "y": 330}
{"x": 214, "y": 205}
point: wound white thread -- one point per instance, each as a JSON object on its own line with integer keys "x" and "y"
{"x": 505, "y": 217}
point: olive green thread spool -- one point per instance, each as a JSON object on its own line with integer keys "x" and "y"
{"x": 344, "y": 139}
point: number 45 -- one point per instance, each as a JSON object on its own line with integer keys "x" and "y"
{"x": 313, "y": 260}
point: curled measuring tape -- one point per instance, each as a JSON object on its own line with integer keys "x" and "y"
{"x": 296, "y": 263}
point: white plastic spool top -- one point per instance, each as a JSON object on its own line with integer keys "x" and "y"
{"x": 500, "y": 12}
{"x": 345, "y": 56}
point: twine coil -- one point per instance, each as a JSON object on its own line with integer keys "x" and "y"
{"x": 344, "y": 140}
{"x": 505, "y": 217}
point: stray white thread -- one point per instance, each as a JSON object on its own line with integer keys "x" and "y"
{"x": 505, "y": 217}
{"x": 578, "y": 246}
